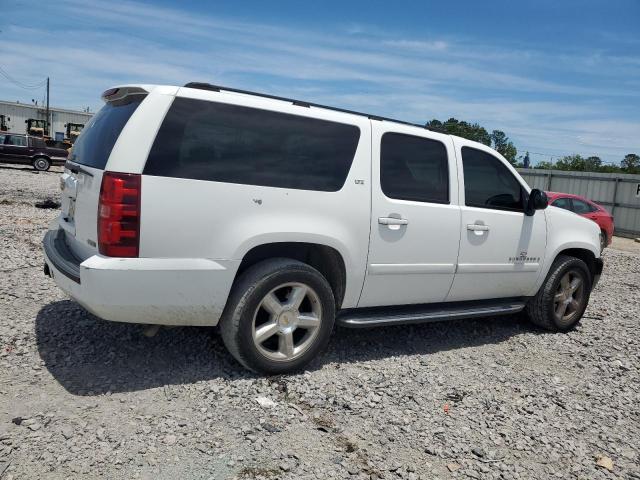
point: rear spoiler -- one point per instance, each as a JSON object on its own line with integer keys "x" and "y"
{"x": 117, "y": 94}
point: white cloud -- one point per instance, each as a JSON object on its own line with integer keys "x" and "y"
{"x": 562, "y": 100}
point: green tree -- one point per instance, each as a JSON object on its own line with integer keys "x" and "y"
{"x": 609, "y": 169}
{"x": 462, "y": 129}
{"x": 575, "y": 163}
{"x": 545, "y": 165}
{"x": 592, "y": 164}
{"x": 631, "y": 163}
{"x": 503, "y": 146}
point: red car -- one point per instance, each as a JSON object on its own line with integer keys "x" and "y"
{"x": 587, "y": 209}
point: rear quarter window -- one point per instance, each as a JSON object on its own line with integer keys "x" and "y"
{"x": 94, "y": 145}
{"x": 234, "y": 144}
{"x": 38, "y": 142}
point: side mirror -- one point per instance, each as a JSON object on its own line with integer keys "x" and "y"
{"x": 537, "y": 201}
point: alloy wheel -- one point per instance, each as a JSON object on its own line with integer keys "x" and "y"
{"x": 287, "y": 321}
{"x": 569, "y": 297}
{"x": 41, "y": 164}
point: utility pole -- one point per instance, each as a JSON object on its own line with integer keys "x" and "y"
{"x": 46, "y": 130}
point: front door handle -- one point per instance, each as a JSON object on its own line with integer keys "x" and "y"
{"x": 392, "y": 221}
{"x": 477, "y": 228}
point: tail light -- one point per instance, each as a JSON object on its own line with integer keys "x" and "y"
{"x": 119, "y": 215}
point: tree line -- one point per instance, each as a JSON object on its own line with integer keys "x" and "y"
{"x": 577, "y": 163}
{"x": 499, "y": 141}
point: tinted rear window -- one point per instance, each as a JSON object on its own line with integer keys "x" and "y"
{"x": 229, "y": 143}
{"x": 94, "y": 145}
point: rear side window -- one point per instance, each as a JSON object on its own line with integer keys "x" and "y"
{"x": 233, "y": 144}
{"x": 94, "y": 145}
{"x": 16, "y": 140}
{"x": 488, "y": 183}
{"x": 562, "y": 203}
{"x": 581, "y": 207}
{"x": 414, "y": 168}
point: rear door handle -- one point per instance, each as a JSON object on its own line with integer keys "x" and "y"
{"x": 392, "y": 221}
{"x": 475, "y": 227}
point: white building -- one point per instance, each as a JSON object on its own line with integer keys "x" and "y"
{"x": 16, "y": 115}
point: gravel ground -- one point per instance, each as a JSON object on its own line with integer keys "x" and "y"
{"x": 482, "y": 399}
{"x": 631, "y": 245}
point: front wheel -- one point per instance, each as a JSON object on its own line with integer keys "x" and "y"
{"x": 562, "y": 299}
{"x": 41, "y": 164}
{"x": 279, "y": 316}
{"x": 603, "y": 240}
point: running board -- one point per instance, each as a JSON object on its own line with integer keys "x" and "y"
{"x": 407, "y": 314}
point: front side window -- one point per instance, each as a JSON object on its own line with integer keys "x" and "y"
{"x": 2, "y": 139}
{"x": 16, "y": 140}
{"x": 581, "y": 207}
{"x": 229, "y": 143}
{"x": 488, "y": 183}
{"x": 562, "y": 203}
{"x": 414, "y": 168}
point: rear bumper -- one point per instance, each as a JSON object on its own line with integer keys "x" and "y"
{"x": 59, "y": 255}
{"x": 166, "y": 291}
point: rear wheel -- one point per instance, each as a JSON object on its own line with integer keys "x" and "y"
{"x": 41, "y": 164}
{"x": 279, "y": 316}
{"x": 562, "y": 299}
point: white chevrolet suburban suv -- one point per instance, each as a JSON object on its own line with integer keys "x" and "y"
{"x": 275, "y": 218}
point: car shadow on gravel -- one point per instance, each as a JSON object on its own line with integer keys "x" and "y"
{"x": 89, "y": 356}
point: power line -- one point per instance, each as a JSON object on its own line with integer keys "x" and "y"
{"x": 20, "y": 84}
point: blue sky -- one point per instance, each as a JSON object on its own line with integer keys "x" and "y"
{"x": 557, "y": 77}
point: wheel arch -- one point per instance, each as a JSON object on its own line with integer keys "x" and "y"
{"x": 586, "y": 255}
{"x": 326, "y": 259}
{"x": 585, "y": 251}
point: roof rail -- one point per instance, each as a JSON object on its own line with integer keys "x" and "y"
{"x": 300, "y": 103}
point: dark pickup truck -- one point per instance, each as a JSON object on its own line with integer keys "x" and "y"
{"x": 29, "y": 150}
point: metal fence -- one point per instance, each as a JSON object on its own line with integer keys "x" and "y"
{"x": 619, "y": 193}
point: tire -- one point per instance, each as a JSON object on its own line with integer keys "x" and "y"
{"x": 543, "y": 309}
{"x": 41, "y": 164}
{"x": 260, "y": 320}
